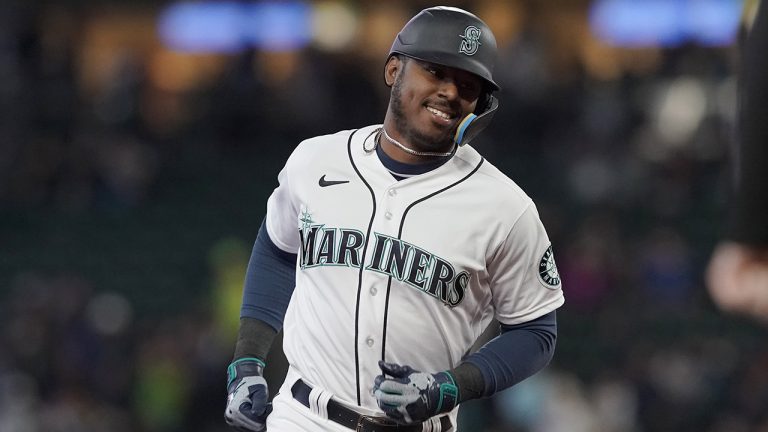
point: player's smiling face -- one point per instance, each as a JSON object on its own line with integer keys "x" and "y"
{"x": 428, "y": 102}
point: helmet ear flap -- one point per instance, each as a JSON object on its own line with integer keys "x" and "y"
{"x": 473, "y": 124}
{"x": 483, "y": 101}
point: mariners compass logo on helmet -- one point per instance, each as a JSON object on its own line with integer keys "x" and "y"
{"x": 470, "y": 40}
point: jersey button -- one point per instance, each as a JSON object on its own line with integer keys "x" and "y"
{"x": 392, "y": 192}
{"x": 374, "y": 291}
{"x": 369, "y": 341}
{"x": 388, "y": 215}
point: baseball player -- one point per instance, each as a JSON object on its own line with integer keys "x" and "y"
{"x": 387, "y": 250}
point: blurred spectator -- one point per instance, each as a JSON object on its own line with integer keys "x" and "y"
{"x": 738, "y": 271}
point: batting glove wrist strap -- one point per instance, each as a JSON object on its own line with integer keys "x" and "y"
{"x": 409, "y": 396}
{"x": 241, "y": 368}
{"x": 449, "y": 392}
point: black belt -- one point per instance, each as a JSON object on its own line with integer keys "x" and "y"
{"x": 356, "y": 421}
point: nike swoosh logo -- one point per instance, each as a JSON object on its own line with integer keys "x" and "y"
{"x": 323, "y": 182}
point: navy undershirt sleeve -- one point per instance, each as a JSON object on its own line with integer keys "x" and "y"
{"x": 519, "y": 352}
{"x": 269, "y": 282}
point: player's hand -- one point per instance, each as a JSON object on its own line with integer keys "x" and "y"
{"x": 247, "y": 407}
{"x": 409, "y": 396}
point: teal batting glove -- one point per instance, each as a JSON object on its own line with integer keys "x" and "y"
{"x": 408, "y": 396}
{"x": 247, "y": 406}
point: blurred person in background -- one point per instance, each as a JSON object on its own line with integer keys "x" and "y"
{"x": 433, "y": 243}
{"x": 738, "y": 271}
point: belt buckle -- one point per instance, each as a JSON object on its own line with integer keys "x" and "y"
{"x": 372, "y": 420}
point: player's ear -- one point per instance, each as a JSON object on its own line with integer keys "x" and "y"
{"x": 391, "y": 69}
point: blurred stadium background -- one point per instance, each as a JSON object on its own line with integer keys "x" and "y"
{"x": 139, "y": 141}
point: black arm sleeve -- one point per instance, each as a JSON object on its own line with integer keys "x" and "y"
{"x": 269, "y": 283}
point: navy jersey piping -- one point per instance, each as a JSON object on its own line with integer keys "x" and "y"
{"x": 362, "y": 267}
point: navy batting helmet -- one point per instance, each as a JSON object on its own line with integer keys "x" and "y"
{"x": 451, "y": 37}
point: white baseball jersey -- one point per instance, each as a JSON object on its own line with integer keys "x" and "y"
{"x": 409, "y": 271}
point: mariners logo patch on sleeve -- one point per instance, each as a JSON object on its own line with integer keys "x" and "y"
{"x": 548, "y": 274}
